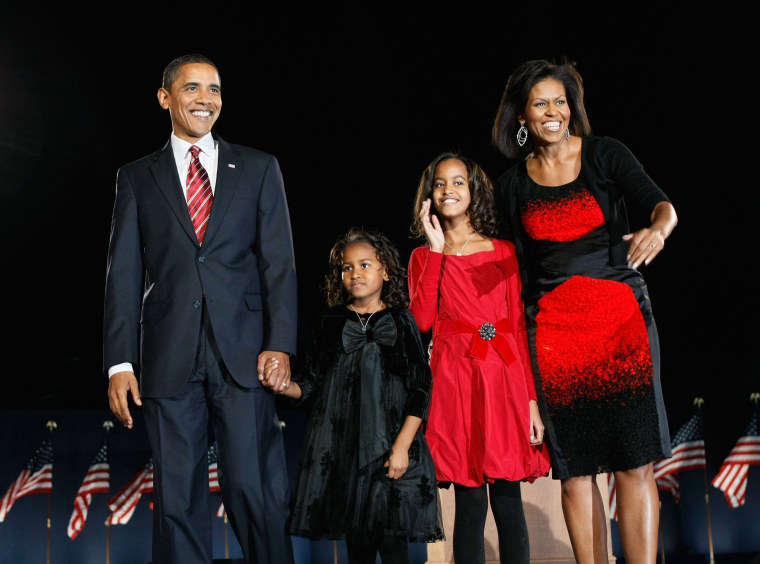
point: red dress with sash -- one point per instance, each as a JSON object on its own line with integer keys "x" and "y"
{"x": 479, "y": 420}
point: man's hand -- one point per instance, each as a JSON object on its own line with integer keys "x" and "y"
{"x": 120, "y": 386}
{"x": 274, "y": 370}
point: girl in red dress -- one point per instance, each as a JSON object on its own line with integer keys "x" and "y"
{"x": 484, "y": 429}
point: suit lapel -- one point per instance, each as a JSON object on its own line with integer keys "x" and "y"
{"x": 228, "y": 170}
{"x": 165, "y": 172}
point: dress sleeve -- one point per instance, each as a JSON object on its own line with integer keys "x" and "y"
{"x": 424, "y": 275}
{"x": 517, "y": 315}
{"x": 309, "y": 375}
{"x": 419, "y": 380}
{"x": 638, "y": 189}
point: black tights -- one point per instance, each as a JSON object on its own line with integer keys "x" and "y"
{"x": 393, "y": 550}
{"x": 470, "y": 520}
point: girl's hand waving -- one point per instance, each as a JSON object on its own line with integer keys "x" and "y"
{"x": 432, "y": 226}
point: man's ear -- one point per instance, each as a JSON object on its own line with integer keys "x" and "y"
{"x": 163, "y": 98}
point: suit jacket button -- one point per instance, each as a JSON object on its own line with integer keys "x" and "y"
{"x": 201, "y": 259}
{"x": 196, "y": 304}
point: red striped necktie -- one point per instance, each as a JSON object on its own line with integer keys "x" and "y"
{"x": 199, "y": 195}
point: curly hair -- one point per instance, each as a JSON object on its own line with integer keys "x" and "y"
{"x": 515, "y": 97}
{"x": 481, "y": 213}
{"x": 394, "y": 290}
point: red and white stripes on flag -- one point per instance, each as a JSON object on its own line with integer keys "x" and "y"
{"x": 612, "y": 493}
{"x": 213, "y": 476}
{"x": 732, "y": 476}
{"x": 123, "y": 504}
{"x": 96, "y": 480}
{"x": 688, "y": 450}
{"x": 37, "y": 477}
{"x": 669, "y": 483}
{"x": 213, "y": 469}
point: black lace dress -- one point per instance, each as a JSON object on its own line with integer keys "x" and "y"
{"x": 360, "y": 386}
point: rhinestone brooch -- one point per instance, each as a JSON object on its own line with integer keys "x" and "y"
{"x": 487, "y": 331}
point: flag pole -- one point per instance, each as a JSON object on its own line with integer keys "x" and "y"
{"x": 698, "y": 403}
{"x": 709, "y": 525}
{"x": 48, "y": 526}
{"x": 108, "y": 543}
{"x": 226, "y": 538}
{"x": 51, "y": 425}
{"x": 108, "y": 425}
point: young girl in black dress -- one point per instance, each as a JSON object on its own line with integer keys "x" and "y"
{"x": 365, "y": 472}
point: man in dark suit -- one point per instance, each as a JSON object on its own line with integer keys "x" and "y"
{"x": 196, "y": 311}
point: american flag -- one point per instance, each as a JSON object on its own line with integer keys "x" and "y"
{"x": 612, "y": 492}
{"x": 732, "y": 476}
{"x": 669, "y": 483}
{"x": 688, "y": 454}
{"x": 213, "y": 476}
{"x": 97, "y": 480}
{"x": 213, "y": 469}
{"x": 123, "y": 504}
{"x": 37, "y": 477}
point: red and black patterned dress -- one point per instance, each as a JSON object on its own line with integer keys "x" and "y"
{"x": 593, "y": 338}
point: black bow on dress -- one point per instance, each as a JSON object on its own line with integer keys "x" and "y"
{"x": 373, "y": 429}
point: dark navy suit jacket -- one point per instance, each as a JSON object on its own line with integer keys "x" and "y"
{"x": 158, "y": 274}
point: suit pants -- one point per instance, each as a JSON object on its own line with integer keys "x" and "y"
{"x": 253, "y": 476}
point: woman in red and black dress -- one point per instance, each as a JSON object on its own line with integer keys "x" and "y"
{"x": 592, "y": 334}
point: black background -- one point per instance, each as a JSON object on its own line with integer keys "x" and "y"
{"x": 355, "y": 100}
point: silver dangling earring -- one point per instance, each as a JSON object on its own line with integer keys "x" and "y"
{"x": 567, "y": 134}
{"x": 522, "y": 135}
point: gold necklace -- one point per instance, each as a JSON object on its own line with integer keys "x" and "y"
{"x": 361, "y": 321}
{"x": 459, "y": 254}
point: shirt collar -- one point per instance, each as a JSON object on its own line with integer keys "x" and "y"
{"x": 180, "y": 147}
